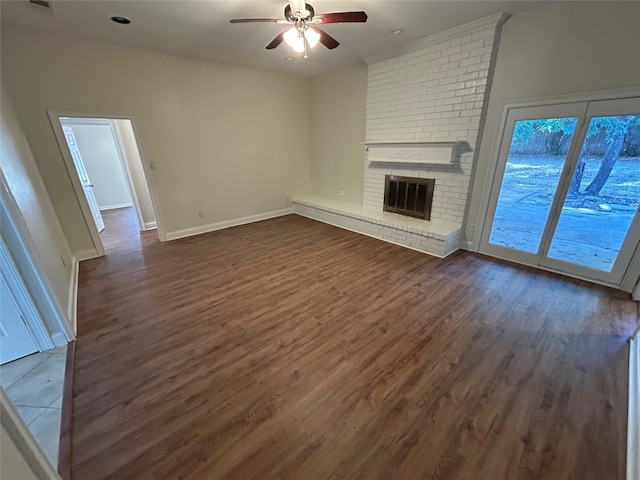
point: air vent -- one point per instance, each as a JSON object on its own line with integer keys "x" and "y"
{"x": 41, "y": 3}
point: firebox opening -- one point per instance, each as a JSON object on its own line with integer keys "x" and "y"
{"x": 408, "y": 196}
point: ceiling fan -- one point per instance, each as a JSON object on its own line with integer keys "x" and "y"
{"x": 304, "y": 33}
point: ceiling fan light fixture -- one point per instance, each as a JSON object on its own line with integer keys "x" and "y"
{"x": 312, "y": 36}
{"x": 301, "y": 36}
{"x": 294, "y": 40}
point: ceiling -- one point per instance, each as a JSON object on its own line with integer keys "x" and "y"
{"x": 201, "y": 28}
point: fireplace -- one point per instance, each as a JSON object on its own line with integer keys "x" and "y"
{"x": 408, "y": 196}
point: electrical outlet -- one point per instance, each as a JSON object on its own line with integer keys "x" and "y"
{"x": 473, "y": 227}
{"x": 200, "y": 214}
{"x": 340, "y": 193}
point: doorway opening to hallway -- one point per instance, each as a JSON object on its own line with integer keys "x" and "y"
{"x": 105, "y": 157}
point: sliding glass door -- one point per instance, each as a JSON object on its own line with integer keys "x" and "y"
{"x": 567, "y": 189}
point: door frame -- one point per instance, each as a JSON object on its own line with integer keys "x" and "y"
{"x": 54, "y": 119}
{"x": 51, "y": 324}
{"x": 629, "y": 279}
{"x": 24, "y": 302}
{"x": 115, "y": 131}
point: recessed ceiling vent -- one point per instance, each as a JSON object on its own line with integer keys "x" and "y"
{"x": 41, "y": 3}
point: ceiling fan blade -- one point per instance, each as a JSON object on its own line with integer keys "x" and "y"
{"x": 341, "y": 17}
{"x": 327, "y": 40}
{"x": 276, "y": 41}
{"x": 254, "y": 20}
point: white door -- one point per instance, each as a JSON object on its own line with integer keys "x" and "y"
{"x": 84, "y": 178}
{"x": 15, "y": 339}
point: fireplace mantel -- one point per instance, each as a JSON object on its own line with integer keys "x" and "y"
{"x": 413, "y": 152}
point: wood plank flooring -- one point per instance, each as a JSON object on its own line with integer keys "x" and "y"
{"x": 291, "y": 349}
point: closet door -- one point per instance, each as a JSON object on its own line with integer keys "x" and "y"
{"x": 15, "y": 338}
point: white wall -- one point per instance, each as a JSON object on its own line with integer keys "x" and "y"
{"x": 20, "y": 456}
{"x": 28, "y": 190}
{"x": 12, "y": 464}
{"x": 558, "y": 49}
{"x": 212, "y": 130}
{"x": 136, "y": 171}
{"x": 337, "y": 112}
{"x": 100, "y": 157}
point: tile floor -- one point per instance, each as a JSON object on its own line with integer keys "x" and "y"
{"x": 34, "y": 385}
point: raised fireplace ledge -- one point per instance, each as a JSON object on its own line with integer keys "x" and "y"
{"x": 436, "y": 237}
{"x": 428, "y": 153}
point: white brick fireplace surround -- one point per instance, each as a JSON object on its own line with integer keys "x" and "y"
{"x": 433, "y": 90}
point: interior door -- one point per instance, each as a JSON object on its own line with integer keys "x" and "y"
{"x": 566, "y": 192}
{"x": 84, "y": 178}
{"x": 15, "y": 339}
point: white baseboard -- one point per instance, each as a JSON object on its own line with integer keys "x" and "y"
{"x": 113, "y": 207}
{"x": 72, "y": 308}
{"x": 59, "y": 339}
{"x": 466, "y": 245}
{"x": 633, "y": 424}
{"x": 86, "y": 254}
{"x": 636, "y": 293}
{"x": 150, "y": 226}
{"x": 212, "y": 227}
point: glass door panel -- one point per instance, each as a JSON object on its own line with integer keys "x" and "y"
{"x": 534, "y": 165}
{"x": 603, "y": 195}
{"x": 566, "y": 189}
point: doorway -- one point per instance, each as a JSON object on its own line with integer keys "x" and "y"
{"x": 104, "y": 157}
{"x": 566, "y": 193}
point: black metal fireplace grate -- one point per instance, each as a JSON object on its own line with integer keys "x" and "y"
{"x": 408, "y": 196}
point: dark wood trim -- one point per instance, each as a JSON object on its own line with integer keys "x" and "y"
{"x": 66, "y": 425}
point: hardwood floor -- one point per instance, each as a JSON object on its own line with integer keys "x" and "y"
{"x": 121, "y": 232}
{"x": 291, "y": 349}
